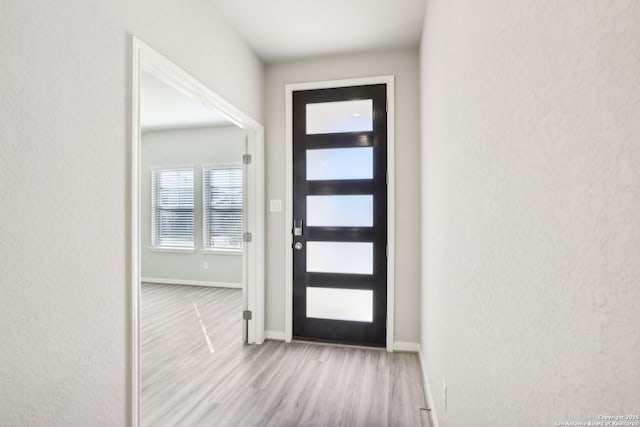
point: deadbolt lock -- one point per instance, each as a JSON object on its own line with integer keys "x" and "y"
{"x": 297, "y": 227}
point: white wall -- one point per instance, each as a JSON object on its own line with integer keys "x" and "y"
{"x": 531, "y": 207}
{"x": 404, "y": 65}
{"x": 64, "y": 191}
{"x": 196, "y": 147}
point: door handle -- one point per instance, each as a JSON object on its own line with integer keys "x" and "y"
{"x": 297, "y": 227}
{"x": 297, "y": 246}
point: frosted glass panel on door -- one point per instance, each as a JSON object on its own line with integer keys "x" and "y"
{"x": 340, "y": 257}
{"x": 340, "y": 211}
{"x": 340, "y": 163}
{"x": 340, "y": 116}
{"x": 340, "y": 304}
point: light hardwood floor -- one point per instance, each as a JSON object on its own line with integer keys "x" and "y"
{"x": 197, "y": 372}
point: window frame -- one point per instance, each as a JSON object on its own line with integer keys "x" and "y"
{"x": 154, "y": 232}
{"x": 206, "y": 208}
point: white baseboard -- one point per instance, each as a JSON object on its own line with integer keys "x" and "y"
{"x": 427, "y": 390}
{"x": 274, "y": 335}
{"x": 409, "y": 347}
{"x": 192, "y": 282}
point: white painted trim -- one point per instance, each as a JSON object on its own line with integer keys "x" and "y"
{"x": 274, "y": 335}
{"x": 134, "y": 238}
{"x": 168, "y": 250}
{"x": 288, "y": 214}
{"x": 232, "y": 252}
{"x": 255, "y": 224}
{"x": 427, "y": 390}
{"x": 409, "y": 347}
{"x": 164, "y": 281}
{"x": 182, "y": 166}
{"x": 205, "y": 166}
{"x": 253, "y": 274}
{"x": 391, "y": 195}
{"x": 391, "y": 210}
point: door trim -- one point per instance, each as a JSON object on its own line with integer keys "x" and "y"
{"x": 288, "y": 216}
{"x": 253, "y": 274}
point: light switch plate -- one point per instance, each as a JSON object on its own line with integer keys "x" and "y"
{"x": 275, "y": 205}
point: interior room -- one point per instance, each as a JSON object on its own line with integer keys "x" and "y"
{"x": 191, "y": 224}
{"x": 407, "y": 213}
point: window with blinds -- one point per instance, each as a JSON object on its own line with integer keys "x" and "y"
{"x": 172, "y": 210}
{"x": 222, "y": 207}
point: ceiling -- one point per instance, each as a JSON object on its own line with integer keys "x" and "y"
{"x": 281, "y": 30}
{"x": 164, "y": 107}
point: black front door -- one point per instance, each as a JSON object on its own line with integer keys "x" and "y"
{"x": 340, "y": 214}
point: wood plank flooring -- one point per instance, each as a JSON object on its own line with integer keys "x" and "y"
{"x": 197, "y": 372}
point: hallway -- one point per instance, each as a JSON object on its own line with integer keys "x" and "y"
{"x": 196, "y": 371}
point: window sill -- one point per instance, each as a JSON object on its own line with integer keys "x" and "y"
{"x": 172, "y": 250}
{"x": 221, "y": 251}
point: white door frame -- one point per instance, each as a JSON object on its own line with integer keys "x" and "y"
{"x": 288, "y": 217}
{"x": 253, "y": 274}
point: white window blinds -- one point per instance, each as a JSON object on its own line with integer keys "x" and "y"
{"x": 172, "y": 213}
{"x": 222, "y": 207}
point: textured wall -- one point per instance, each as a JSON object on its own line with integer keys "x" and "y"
{"x": 196, "y": 147}
{"x": 404, "y": 65}
{"x": 64, "y": 188}
{"x": 531, "y": 209}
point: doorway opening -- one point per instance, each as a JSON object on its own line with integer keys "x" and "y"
{"x": 197, "y": 225}
{"x": 340, "y": 186}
